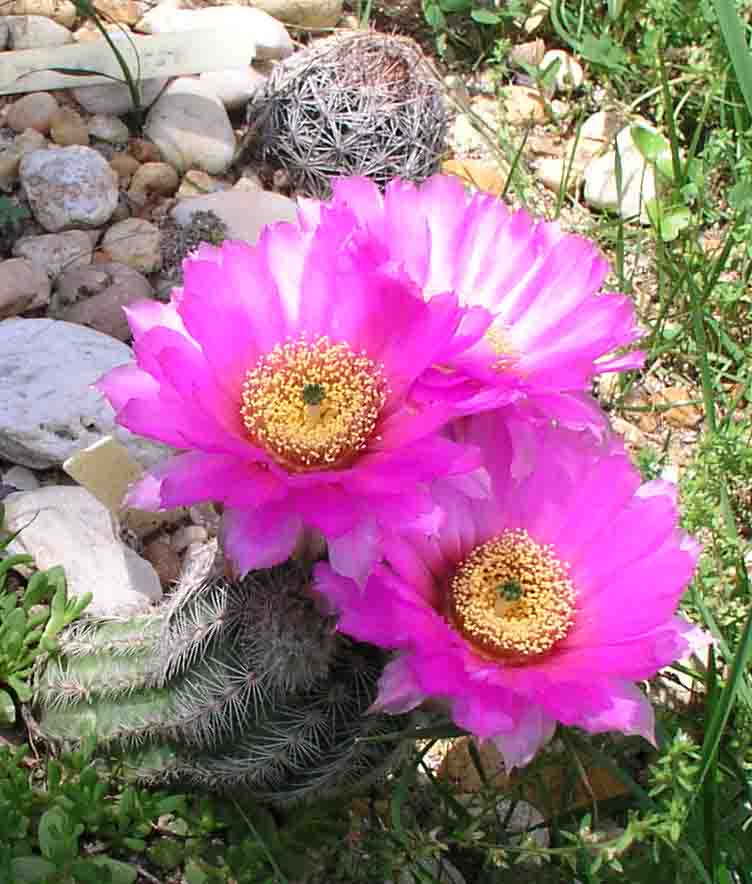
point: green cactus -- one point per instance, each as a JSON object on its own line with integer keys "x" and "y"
{"x": 232, "y": 685}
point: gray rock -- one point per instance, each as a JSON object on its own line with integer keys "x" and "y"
{"x": 69, "y": 187}
{"x": 56, "y": 252}
{"x": 245, "y": 212}
{"x": 35, "y": 32}
{"x": 23, "y": 286}
{"x": 48, "y": 408}
{"x": 20, "y": 478}
{"x": 190, "y": 126}
{"x": 134, "y": 242}
{"x": 109, "y": 128}
{"x": 115, "y": 98}
{"x": 65, "y": 525}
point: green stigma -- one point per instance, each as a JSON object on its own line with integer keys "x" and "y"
{"x": 510, "y": 591}
{"x": 313, "y": 394}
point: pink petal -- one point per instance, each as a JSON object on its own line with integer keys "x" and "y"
{"x": 259, "y": 538}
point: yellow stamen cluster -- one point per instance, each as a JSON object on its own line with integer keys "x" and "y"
{"x": 498, "y": 338}
{"x": 512, "y": 598}
{"x": 313, "y": 404}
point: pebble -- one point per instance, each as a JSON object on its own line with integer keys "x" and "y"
{"x": 521, "y": 105}
{"x": 55, "y": 252}
{"x": 197, "y": 183}
{"x": 35, "y": 32}
{"x": 33, "y": 111}
{"x": 234, "y": 87}
{"x": 23, "y": 286}
{"x": 158, "y": 178}
{"x": 551, "y": 172}
{"x": 48, "y": 408}
{"x": 530, "y": 53}
{"x": 269, "y": 34}
{"x": 569, "y": 75}
{"x": 124, "y": 165}
{"x": 134, "y": 242}
{"x": 108, "y": 128}
{"x": 63, "y": 12}
{"x": 95, "y": 297}
{"x": 65, "y": 525}
{"x": 245, "y": 212}
{"x": 10, "y": 157}
{"x": 165, "y": 560}
{"x": 124, "y": 12}
{"x": 115, "y": 98}
{"x": 69, "y": 187}
{"x": 67, "y": 127}
{"x": 190, "y": 126}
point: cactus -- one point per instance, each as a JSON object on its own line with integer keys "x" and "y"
{"x": 232, "y": 685}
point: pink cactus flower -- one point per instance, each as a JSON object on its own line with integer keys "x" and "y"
{"x": 552, "y": 332}
{"x": 284, "y": 374}
{"x": 548, "y": 589}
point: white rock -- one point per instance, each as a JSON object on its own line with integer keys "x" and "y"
{"x": 69, "y": 187}
{"x": 109, "y": 128}
{"x": 637, "y": 180}
{"x": 235, "y": 86}
{"x": 269, "y": 35}
{"x": 569, "y": 75}
{"x": 65, "y": 525}
{"x": 23, "y": 286}
{"x": 134, "y": 242}
{"x": 303, "y": 13}
{"x": 35, "y": 32}
{"x": 190, "y": 126}
{"x": 115, "y": 98}
{"x": 551, "y": 171}
{"x": 54, "y": 253}
{"x": 244, "y": 212}
{"x": 20, "y": 478}
{"x": 48, "y": 408}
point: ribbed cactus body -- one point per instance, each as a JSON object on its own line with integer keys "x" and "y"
{"x": 232, "y": 685}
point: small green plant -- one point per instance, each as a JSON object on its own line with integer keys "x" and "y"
{"x": 30, "y": 620}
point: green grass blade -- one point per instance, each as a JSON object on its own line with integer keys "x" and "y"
{"x": 734, "y": 38}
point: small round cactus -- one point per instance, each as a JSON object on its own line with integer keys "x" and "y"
{"x": 232, "y": 685}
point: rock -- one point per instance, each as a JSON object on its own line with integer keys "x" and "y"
{"x": 530, "y": 53}
{"x": 20, "y": 478}
{"x": 61, "y": 11}
{"x": 89, "y": 31}
{"x": 23, "y": 286}
{"x": 190, "y": 126}
{"x": 158, "y": 178}
{"x": 551, "y": 171}
{"x": 10, "y": 156}
{"x": 637, "y": 180}
{"x": 65, "y": 525}
{"x": 48, "y": 408}
{"x": 69, "y": 187}
{"x": 144, "y": 151}
{"x": 33, "y": 111}
{"x": 269, "y": 35}
{"x": 302, "y": 13}
{"x": 197, "y": 183}
{"x": 108, "y": 128}
{"x": 134, "y": 242}
{"x": 482, "y": 174}
{"x": 67, "y": 127}
{"x": 54, "y": 253}
{"x": 467, "y": 133}
{"x": 183, "y": 537}
{"x": 124, "y": 12}
{"x": 165, "y": 560}
{"x": 569, "y": 75}
{"x": 597, "y": 132}
{"x": 457, "y": 88}
{"x": 115, "y": 98}
{"x": 95, "y": 296}
{"x": 35, "y": 32}
{"x": 236, "y": 86}
{"x": 124, "y": 165}
{"x": 244, "y": 212}
{"x": 4, "y": 33}
{"x": 522, "y": 105}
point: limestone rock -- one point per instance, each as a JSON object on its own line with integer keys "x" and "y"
{"x": 36, "y": 32}
{"x": 134, "y": 242}
{"x": 69, "y": 187}
{"x": 244, "y": 212}
{"x": 48, "y": 408}
{"x": 302, "y": 13}
{"x": 23, "y": 286}
{"x": 55, "y": 252}
{"x": 190, "y": 126}
{"x": 115, "y": 98}
{"x": 65, "y": 525}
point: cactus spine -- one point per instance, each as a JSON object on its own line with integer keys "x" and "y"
{"x": 234, "y": 684}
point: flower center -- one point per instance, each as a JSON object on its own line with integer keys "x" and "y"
{"x": 312, "y": 404}
{"x": 512, "y": 598}
{"x": 499, "y": 340}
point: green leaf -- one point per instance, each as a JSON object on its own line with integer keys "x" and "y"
{"x": 651, "y": 144}
{"x": 31, "y": 869}
{"x": 734, "y": 37}
{"x": 120, "y": 873}
{"x": 21, "y": 688}
{"x": 193, "y": 874}
{"x": 434, "y": 16}
{"x": 485, "y": 16}
{"x": 455, "y": 5}
{"x": 7, "y": 709}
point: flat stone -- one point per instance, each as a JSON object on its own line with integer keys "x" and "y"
{"x": 69, "y": 187}
{"x": 134, "y": 242}
{"x": 65, "y": 525}
{"x": 48, "y": 407}
{"x": 269, "y": 35}
{"x": 190, "y": 126}
{"x": 54, "y": 253}
{"x": 35, "y": 32}
{"x": 23, "y": 286}
{"x": 115, "y": 98}
{"x": 245, "y": 212}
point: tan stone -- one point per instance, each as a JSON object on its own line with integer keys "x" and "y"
{"x": 135, "y": 242}
{"x": 33, "y": 111}
{"x": 68, "y": 127}
{"x": 124, "y": 165}
{"x": 126, "y": 12}
{"x": 158, "y": 178}
{"x": 521, "y": 105}
{"x": 484, "y": 175}
{"x": 23, "y": 286}
{"x": 61, "y": 11}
